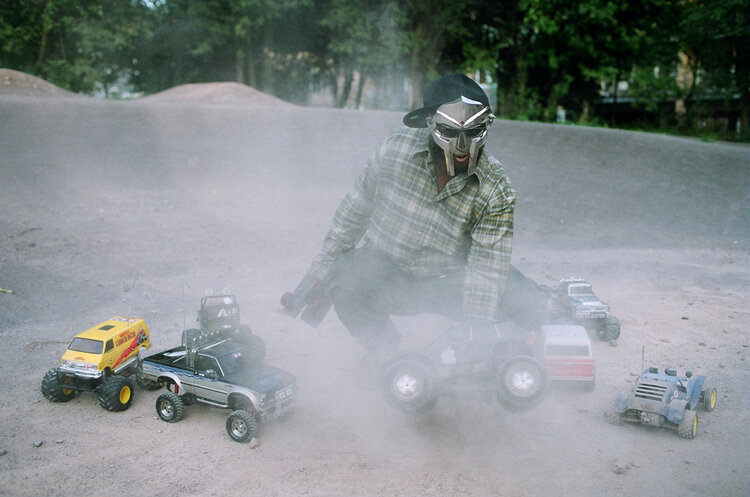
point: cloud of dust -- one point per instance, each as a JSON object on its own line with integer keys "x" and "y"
{"x": 143, "y": 205}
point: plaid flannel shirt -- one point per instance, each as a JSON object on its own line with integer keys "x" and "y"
{"x": 395, "y": 205}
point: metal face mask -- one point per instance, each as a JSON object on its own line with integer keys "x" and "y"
{"x": 460, "y": 129}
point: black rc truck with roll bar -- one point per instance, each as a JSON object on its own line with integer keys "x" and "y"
{"x": 220, "y": 364}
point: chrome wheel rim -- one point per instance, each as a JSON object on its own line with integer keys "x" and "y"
{"x": 239, "y": 428}
{"x": 166, "y": 409}
{"x": 407, "y": 386}
{"x": 523, "y": 382}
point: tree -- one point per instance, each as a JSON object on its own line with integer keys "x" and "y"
{"x": 21, "y": 32}
{"x": 540, "y": 53}
{"x": 495, "y": 42}
{"x": 365, "y": 40}
{"x": 80, "y": 46}
{"x": 549, "y": 53}
{"x": 298, "y": 52}
{"x": 576, "y": 46}
{"x": 428, "y": 23}
{"x": 246, "y": 26}
{"x": 715, "y": 39}
{"x": 103, "y": 35}
{"x": 192, "y": 41}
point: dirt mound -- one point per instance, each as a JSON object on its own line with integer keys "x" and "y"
{"x": 20, "y": 84}
{"x": 223, "y": 92}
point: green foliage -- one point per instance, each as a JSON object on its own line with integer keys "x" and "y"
{"x": 538, "y": 54}
{"x": 715, "y": 37}
{"x": 80, "y": 46}
{"x": 651, "y": 86}
{"x": 366, "y": 37}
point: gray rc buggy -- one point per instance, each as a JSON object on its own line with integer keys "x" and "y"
{"x": 665, "y": 399}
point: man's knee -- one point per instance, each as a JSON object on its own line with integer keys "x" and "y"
{"x": 359, "y": 274}
{"x": 524, "y": 300}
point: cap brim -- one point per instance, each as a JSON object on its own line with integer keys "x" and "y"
{"x": 418, "y": 117}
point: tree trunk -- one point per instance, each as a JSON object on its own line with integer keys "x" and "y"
{"x": 745, "y": 133}
{"x": 416, "y": 83}
{"x": 334, "y": 85}
{"x": 613, "y": 116}
{"x": 423, "y": 58}
{"x": 265, "y": 79}
{"x": 42, "y": 49}
{"x": 239, "y": 66}
{"x": 346, "y": 90}
{"x": 360, "y": 89}
{"x": 687, "y": 99}
{"x": 504, "y": 94}
{"x": 252, "y": 79}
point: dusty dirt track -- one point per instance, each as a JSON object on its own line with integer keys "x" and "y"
{"x": 137, "y": 207}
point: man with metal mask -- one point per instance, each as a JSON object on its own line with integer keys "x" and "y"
{"x": 457, "y": 112}
{"x": 460, "y": 129}
{"x": 427, "y": 227}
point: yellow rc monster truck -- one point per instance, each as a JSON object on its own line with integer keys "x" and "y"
{"x": 100, "y": 359}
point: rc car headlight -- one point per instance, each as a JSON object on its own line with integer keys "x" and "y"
{"x": 80, "y": 366}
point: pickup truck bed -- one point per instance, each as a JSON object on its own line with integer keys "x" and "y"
{"x": 222, "y": 378}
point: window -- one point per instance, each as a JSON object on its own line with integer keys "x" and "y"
{"x": 86, "y": 345}
{"x": 204, "y": 363}
{"x": 580, "y": 290}
{"x": 568, "y": 350}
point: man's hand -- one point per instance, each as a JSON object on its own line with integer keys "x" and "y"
{"x": 311, "y": 298}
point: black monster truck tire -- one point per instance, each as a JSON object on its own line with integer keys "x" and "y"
{"x": 609, "y": 329}
{"x": 241, "y": 426}
{"x": 709, "y": 397}
{"x": 410, "y": 385}
{"x": 522, "y": 384}
{"x": 688, "y": 427}
{"x": 55, "y": 391}
{"x": 256, "y": 349}
{"x": 115, "y": 393}
{"x": 169, "y": 407}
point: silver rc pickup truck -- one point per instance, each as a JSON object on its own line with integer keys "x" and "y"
{"x": 221, "y": 371}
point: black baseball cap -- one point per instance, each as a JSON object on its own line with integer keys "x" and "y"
{"x": 448, "y": 88}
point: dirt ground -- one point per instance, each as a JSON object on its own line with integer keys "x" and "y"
{"x": 137, "y": 207}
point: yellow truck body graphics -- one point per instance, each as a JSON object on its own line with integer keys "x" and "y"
{"x": 107, "y": 345}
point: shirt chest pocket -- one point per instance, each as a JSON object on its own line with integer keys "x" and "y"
{"x": 451, "y": 227}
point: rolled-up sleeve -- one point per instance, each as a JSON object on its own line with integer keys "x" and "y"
{"x": 350, "y": 221}
{"x": 488, "y": 259}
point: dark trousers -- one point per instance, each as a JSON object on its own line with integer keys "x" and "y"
{"x": 367, "y": 289}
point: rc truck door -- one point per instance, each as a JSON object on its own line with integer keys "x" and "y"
{"x": 108, "y": 356}
{"x": 205, "y": 386}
